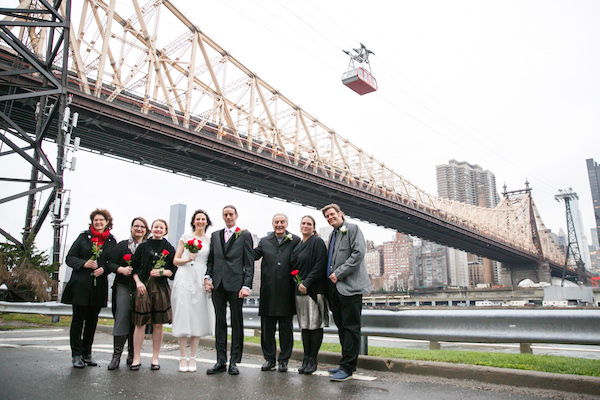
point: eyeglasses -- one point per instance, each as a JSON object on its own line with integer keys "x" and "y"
{"x": 139, "y": 227}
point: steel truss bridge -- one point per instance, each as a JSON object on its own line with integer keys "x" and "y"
{"x": 166, "y": 95}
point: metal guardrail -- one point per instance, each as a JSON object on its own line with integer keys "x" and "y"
{"x": 564, "y": 326}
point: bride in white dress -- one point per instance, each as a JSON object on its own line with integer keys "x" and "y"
{"x": 193, "y": 312}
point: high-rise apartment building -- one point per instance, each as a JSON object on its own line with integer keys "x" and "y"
{"x": 471, "y": 184}
{"x": 430, "y": 264}
{"x": 594, "y": 175}
{"x": 467, "y": 183}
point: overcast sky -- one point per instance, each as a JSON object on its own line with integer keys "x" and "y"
{"x": 512, "y": 86}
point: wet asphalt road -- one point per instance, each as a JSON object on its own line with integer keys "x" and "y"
{"x": 36, "y": 364}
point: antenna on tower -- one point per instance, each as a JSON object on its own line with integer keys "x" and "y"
{"x": 567, "y": 195}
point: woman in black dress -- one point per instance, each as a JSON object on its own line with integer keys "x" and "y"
{"x": 123, "y": 289}
{"x": 309, "y": 259}
{"x": 152, "y": 265}
{"x": 87, "y": 290}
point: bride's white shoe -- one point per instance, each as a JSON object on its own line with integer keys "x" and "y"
{"x": 192, "y": 364}
{"x": 183, "y": 365}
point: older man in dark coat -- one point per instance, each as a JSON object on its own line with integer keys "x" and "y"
{"x": 277, "y": 292}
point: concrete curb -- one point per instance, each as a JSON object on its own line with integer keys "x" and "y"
{"x": 499, "y": 376}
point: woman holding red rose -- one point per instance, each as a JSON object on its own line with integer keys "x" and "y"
{"x": 123, "y": 289}
{"x": 87, "y": 290}
{"x": 152, "y": 265}
{"x": 309, "y": 267}
{"x": 193, "y": 312}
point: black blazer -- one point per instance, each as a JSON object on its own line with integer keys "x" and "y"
{"x": 231, "y": 264}
{"x": 80, "y": 289}
{"x": 277, "y": 286}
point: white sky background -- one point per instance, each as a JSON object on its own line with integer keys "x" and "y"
{"x": 512, "y": 86}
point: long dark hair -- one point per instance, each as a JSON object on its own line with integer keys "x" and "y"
{"x": 208, "y": 223}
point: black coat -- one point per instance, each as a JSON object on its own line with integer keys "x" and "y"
{"x": 80, "y": 289}
{"x": 310, "y": 258}
{"x": 277, "y": 286}
{"x": 116, "y": 261}
{"x": 231, "y": 264}
{"x": 147, "y": 254}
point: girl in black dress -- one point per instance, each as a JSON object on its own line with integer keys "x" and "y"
{"x": 309, "y": 264}
{"x": 152, "y": 265}
{"x": 87, "y": 289}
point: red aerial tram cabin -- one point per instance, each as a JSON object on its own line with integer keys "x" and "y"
{"x": 356, "y": 78}
{"x": 359, "y": 80}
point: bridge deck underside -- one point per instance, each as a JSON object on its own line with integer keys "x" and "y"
{"x": 113, "y": 129}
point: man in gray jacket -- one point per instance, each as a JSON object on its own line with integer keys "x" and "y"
{"x": 348, "y": 282}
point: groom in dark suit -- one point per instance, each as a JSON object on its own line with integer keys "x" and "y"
{"x": 229, "y": 276}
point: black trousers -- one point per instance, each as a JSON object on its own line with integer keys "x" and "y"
{"x": 346, "y": 314}
{"x": 267, "y": 337}
{"x": 220, "y": 299}
{"x": 84, "y": 322}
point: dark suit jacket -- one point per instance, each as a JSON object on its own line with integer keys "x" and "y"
{"x": 277, "y": 286}
{"x": 231, "y": 264}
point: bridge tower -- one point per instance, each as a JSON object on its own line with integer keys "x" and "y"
{"x": 38, "y": 34}
{"x": 542, "y": 272}
{"x": 573, "y": 246}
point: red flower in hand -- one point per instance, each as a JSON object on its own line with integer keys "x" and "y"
{"x": 237, "y": 229}
{"x": 296, "y": 277}
{"x": 127, "y": 257}
{"x": 165, "y": 252}
{"x": 95, "y": 240}
{"x": 192, "y": 242}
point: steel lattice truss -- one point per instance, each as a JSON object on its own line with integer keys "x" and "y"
{"x": 155, "y": 57}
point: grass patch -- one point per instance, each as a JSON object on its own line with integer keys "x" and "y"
{"x": 531, "y": 362}
{"x": 15, "y": 321}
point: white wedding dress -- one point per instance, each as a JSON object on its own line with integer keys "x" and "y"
{"x": 193, "y": 311}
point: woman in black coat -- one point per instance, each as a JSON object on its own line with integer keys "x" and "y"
{"x": 87, "y": 290}
{"x": 123, "y": 289}
{"x": 309, "y": 261}
{"x": 152, "y": 266}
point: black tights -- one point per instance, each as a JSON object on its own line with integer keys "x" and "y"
{"x": 312, "y": 339}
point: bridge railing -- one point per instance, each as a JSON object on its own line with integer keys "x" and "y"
{"x": 572, "y": 326}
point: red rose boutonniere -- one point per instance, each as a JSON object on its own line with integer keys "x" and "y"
{"x": 239, "y": 231}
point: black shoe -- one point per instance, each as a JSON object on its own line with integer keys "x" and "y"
{"x": 114, "y": 363}
{"x": 89, "y": 361}
{"x": 154, "y": 367}
{"x": 283, "y": 366}
{"x": 217, "y": 369}
{"x": 311, "y": 366}
{"x": 303, "y": 366}
{"x": 130, "y": 358}
{"x": 268, "y": 366}
{"x": 135, "y": 367}
{"x": 77, "y": 362}
{"x": 233, "y": 369}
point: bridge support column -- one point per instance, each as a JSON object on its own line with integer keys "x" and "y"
{"x": 544, "y": 272}
{"x": 434, "y": 345}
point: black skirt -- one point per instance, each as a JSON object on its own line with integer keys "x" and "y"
{"x": 154, "y": 306}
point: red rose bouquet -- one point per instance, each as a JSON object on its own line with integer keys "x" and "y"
{"x": 193, "y": 246}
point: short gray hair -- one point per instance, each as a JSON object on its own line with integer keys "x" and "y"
{"x": 280, "y": 215}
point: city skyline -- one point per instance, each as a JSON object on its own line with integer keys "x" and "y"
{"x": 466, "y": 57}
